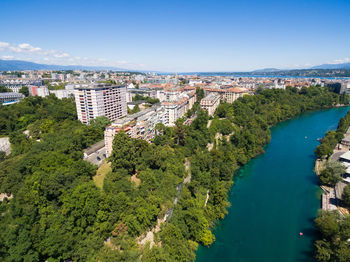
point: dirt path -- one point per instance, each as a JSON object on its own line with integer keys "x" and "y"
{"x": 188, "y": 170}
{"x": 209, "y": 123}
{"x": 210, "y": 146}
{"x": 149, "y": 235}
{"x": 207, "y": 198}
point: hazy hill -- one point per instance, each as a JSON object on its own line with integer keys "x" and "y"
{"x": 267, "y": 70}
{"x": 333, "y": 66}
{"x": 18, "y": 65}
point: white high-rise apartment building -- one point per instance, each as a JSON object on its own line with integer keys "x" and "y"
{"x": 100, "y": 100}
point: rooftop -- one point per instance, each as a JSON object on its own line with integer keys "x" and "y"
{"x": 129, "y": 118}
{"x": 10, "y": 95}
{"x": 97, "y": 86}
{"x": 94, "y": 147}
{"x": 211, "y": 96}
{"x": 346, "y": 156}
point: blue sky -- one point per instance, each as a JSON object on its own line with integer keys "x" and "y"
{"x": 177, "y": 36}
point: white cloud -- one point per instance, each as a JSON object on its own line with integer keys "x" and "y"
{"x": 61, "y": 55}
{"x": 341, "y": 61}
{"x": 28, "y": 48}
{"x": 4, "y": 45}
{"x": 7, "y": 57}
{"x": 22, "y": 48}
{"x": 29, "y": 52}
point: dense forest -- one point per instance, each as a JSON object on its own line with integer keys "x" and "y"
{"x": 177, "y": 185}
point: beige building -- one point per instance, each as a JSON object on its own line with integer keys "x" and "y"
{"x": 140, "y": 125}
{"x": 228, "y": 94}
{"x": 178, "y": 107}
{"x": 231, "y": 94}
{"x": 210, "y": 103}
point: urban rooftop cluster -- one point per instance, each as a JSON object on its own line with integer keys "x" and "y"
{"x": 114, "y": 94}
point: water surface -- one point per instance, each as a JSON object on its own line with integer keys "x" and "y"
{"x": 275, "y": 197}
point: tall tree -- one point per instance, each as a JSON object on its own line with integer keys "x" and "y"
{"x": 100, "y": 122}
{"x": 126, "y": 152}
{"x": 24, "y": 90}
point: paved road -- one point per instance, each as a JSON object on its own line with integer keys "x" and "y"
{"x": 97, "y": 157}
{"x": 336, "y": 155}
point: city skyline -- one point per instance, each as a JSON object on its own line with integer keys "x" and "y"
{"x": 177, "y": 36}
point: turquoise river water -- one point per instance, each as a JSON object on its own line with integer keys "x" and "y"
{"x": 275, "y": 197}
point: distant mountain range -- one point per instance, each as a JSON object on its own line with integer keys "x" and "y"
{"x": 266, "y": 70}
{"x": 324, "y": 66}
{"x": 333, "y": 66}
{"x": 19, "y": 65}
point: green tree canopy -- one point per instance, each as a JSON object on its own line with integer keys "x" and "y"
{"x": 346, "y": 195}
{"x": 24, "y": 90}
{"x": 126, "y": 152}
{"x": 332, "y": 173}
{"x": 100, "y": 122}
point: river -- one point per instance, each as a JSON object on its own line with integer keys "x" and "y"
{"x": 275, "y": 197}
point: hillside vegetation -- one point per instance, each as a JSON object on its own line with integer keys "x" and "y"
{"x": 58, "y": 213}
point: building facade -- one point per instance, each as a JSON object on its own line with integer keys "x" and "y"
{"x": 62, "y": 93}
{"x": 100, "y": 100}
{"x": 177, "y": 107}
{"x": 227, "y": 94}
{"x": 10, "y": 98}
{"x": 140, "y": 125}
{"x": 231, "y": 94}
{"x": 16, "y": 84}
{"x": 210, "y": 103}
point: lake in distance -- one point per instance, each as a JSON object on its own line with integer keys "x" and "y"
{"x": 275, "y": 197}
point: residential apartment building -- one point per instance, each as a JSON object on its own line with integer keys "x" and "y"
{"x": 100, "y": 100}
{"x": 210, "y": 103}
{"x": 177, "y": 107}
{"x": 228, "y": 94}
{"x": 231, "y": 94}
{"x": 62, "y": 93}
{"x": 38, "y": 91}
{"x": 140, "y": 125}
{"x": 10, "y": 98}
{"x": 153, "y": 92}
{"x": 16, "y": 84}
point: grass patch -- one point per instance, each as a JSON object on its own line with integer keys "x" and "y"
{"x": 101, "y": 173}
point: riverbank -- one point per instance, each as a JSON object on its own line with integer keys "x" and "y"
{"x": 59, "y": 183}
{"x": 332, "y": 152}
{"x": 274, "y": 199}
{"x": 332, "y": 195}
{"x": 332, "y": 169}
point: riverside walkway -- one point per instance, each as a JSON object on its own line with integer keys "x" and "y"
{"x": 329, "y": 201}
